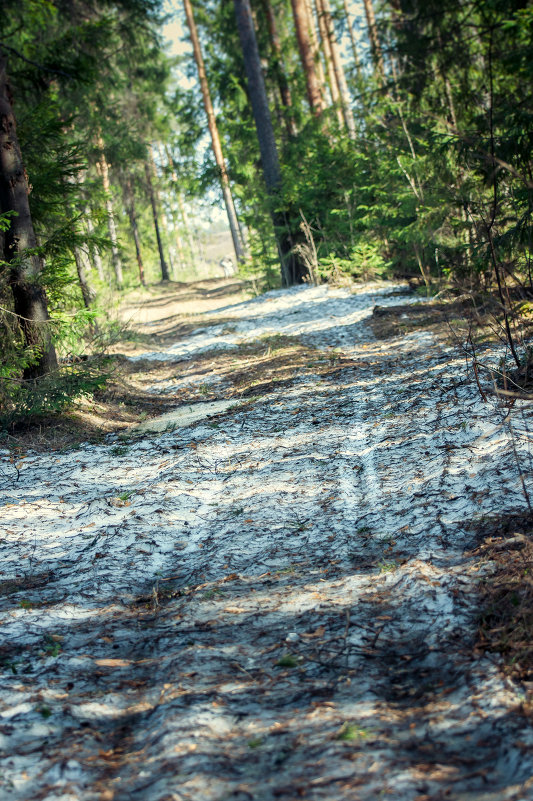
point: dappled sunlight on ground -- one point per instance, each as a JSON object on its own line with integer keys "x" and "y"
{"x": 274, "y": 601}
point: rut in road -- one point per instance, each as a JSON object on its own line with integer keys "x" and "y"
{"x": 276, "y": 600}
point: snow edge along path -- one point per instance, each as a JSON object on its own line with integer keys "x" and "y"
{"x": 274, "y": 603}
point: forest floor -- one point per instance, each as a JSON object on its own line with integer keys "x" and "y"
{"x": 273, "y": 569}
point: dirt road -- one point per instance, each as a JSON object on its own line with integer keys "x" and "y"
{"x": 275, "y": 597}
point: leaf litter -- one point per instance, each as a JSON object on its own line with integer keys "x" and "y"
{"x": 279, "y": 600}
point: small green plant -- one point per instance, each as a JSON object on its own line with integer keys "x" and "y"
{"x": 8, "y": 664}
{"x": 349, "y": 732}
{"x": 45, "y": 711}
{"x": 387, "y": 567}
{"x": 288, "y": 661}
{"x": 255, "y": 743}
{"x": 125, "y": 496}
{"x": 25, "y": 604}
{"x": 119, "y": 450}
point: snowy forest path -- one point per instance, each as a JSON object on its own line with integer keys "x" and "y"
{"x": 273, "y": 595}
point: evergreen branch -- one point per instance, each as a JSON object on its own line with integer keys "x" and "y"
{"x": 34, "y": 63}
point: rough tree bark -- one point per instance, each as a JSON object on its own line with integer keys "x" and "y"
{"x": 149, "y": 170}
{"x": 103, "y": 169}
{"x": 20, "y": 243}
{"x": 308, "y": 56}
{"x": 292, "y": 268}
{"x": 213, "y": 130}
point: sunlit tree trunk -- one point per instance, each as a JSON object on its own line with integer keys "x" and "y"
{"x": 20, "y": 243}
{"x": 149, "y": 171}
{"x": 314, "y": 39}
{"x": 292, "y": 269}
{"x": 103, "y": 169}
{"x": 308, "y": 55}
{"x": 375, "y": 46}
{"x": 340, "y": 77}
{"x": 332, "y": 80}
{"x": 213, "y": 130}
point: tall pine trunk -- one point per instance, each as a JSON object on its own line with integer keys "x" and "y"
{"x": 149, "y": 171}
{"x": 103, "y": 168}
{"x": 332, "y": 78}
{"x": 215, "y": 136}
{"x": 20, "y": 243}
{"x": 340, "y": 77}
{"x": 293, "y": 270}
{"x": 308, "y": 55}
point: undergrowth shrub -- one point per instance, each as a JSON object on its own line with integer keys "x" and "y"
{"x": 26, "y": 400}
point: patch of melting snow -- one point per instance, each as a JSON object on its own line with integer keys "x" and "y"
{"x": 279, "y": 604}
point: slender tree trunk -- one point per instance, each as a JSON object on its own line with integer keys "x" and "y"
{"x": 332, "y": 79}
{"x": 87, "y": 292}
{"x": 20, "y": 243}
{"x": 308, "y": 56}
{"x": 340, "y": 77}
{"x": 349, "y": 23}
{"x": 129, "y": 198}
{"x": 213, "y": 130}
{"x": 115, "y": 254}
{"x": 166, "y": 229}
{"x": 292, "y": 269}
{"x": 284, "y": 89}
{"x": 93, "y": 250}
{"x": 375, "y": 46}
{"x": 149, "y": 170}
